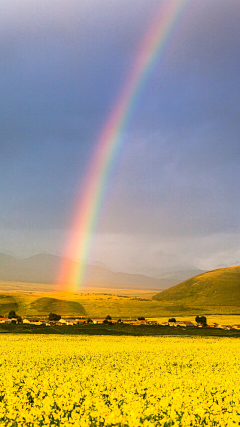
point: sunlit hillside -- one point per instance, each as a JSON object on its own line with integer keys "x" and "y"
{"x": 218, "y": 289}
{"x": 78, "y": 304}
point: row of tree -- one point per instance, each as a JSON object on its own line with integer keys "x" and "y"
{"x": 202, "y": 320}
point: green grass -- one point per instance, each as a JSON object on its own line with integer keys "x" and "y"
{"x": 54, "y": 305}
{"x": 78, "y": 304}
{"x": 215, "y": 291}
{"x": 223, "y": 319}
{"x": 117, "y": 329}
{"x": 100, "y": 305}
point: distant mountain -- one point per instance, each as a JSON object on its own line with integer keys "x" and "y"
{"x": 180, "y": 275}
{"x": 44, "y": 268}
{"x": 36, "y": 269}
{"x": 175, "y": 272}
{"x": 219, "y": 287}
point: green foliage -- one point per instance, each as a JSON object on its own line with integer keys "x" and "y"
{"x": 141, "y": 318}
{"x": 12, "y": 314}
{"x": 201, "y": 319}
{"x": 89, "y": 320}
{"x": 172, "y": 319}
{"x": 107, "y": 322}
{"x": 108, "y": 317}
{"x": 54, "y": 317}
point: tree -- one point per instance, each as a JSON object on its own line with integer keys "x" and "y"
{"x": 108, "y": 317}
{"x": 141, "y": 318}
{"x": 12, "y": 314}
{"x": 201, "y": 319}
{"x": 54, "y": 317}
{"x": 173, "y": 320}
{"x": 16, "y": 319}
{"x": 89, "y": 320}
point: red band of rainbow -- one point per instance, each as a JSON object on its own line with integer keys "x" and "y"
{"x": 87, "y": 212}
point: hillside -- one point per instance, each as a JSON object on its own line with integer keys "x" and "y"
{"x": 217, "y": 288}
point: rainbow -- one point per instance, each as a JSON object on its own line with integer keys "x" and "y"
{"x": 107, "y": 146}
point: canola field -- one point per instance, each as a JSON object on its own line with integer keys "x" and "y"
{"x": 119, "y": 381}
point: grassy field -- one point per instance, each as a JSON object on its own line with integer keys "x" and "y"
{"x": 77, "y": 304}
{"x": 19, "y": 287}
{"x": 95, "y": 381}
{"x": 101, "y": 305}
{"x": 223, "y": 319}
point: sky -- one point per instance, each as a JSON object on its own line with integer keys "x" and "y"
{"x": 172, "y": 198}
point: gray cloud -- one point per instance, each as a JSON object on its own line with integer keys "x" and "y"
{"x": 64, "y": 65}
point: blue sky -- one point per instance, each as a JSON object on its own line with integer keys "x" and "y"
{"x": 173, "y": 195}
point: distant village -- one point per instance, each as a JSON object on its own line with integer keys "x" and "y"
{"x": 57, "y": 320}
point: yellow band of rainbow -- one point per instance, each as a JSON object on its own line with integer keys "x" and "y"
{"x": 87, "y": 211}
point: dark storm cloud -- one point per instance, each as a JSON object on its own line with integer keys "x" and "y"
{"x": 63, "y": 64}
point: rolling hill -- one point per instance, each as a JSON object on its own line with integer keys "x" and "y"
{"x": 77, "y": 304}
{"x": 216, "y": 288}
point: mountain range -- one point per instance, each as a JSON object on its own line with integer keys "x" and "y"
{"x": 44, "y": 268}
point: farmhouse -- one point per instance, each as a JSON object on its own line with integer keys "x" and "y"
{"x": 37, "y": 322}
{"x": 98, "y": 320}
{"x": 5, "y": 320}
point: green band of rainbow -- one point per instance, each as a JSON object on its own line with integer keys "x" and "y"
{"x": 107, "y": 146}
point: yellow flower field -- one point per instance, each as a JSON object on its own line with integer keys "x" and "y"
{"x": 119, "y": 381}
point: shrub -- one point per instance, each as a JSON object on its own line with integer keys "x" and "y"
{"x": 107, "y": 322}
{"x": 12, "y": 314}
{"x": 54, "y": 317}
{"x": 201, "y": 319}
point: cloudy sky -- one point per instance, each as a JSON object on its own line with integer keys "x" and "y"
{"x": 172, "y": 198}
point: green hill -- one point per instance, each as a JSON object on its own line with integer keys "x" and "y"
{"x": 78, "y": 304}
{"x": 218, "y": 288}
{"x": 54, "y": 305}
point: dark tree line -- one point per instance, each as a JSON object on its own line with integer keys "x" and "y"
{"x": 54, "y": 317}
